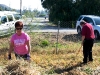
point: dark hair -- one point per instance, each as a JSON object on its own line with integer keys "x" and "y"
{"x": 18, "y": 24}
{"x": 82, "y": 22}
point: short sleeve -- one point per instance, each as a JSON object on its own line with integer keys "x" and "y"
{"x": 12, "y": 39}
{"x": 27, "y": 37}
{"x": 83, "y": 31}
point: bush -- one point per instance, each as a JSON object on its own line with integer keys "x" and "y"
{"x": 44, "y": 43}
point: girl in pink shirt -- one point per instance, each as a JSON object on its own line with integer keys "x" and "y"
{"x": 20, "y": 43}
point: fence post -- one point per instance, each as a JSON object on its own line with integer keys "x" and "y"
{"x": 57, "y": 37}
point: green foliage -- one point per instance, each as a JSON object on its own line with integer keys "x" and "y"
{"x": 42, "y": 15}
{"x": 51, "y": 71}
{"x": 88, "y": 71}
{"x": 59, "y": 45}
{"x": 68, "y": 24}
{"x": 44, "y": 43}
{"x": 34, "y": 13}
{"x": 28, "y": 13}
{"x": 70, "y": 10}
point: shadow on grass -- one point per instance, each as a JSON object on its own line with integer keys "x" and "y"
{"x": 76, "y": 38}
{"x": 59, "y": 71}
{"x": 72, "y": 37}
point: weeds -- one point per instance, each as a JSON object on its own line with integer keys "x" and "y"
{"x": 44, "y": 43}
{"x": 88, "y": 70}
{"x": 42, "y": 54}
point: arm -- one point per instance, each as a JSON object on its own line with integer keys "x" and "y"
{"x": 11, "y": 48}
{"x": 29, "y": 49}
{"x": 29, "y": 46}
{"x": 84, "y": 29}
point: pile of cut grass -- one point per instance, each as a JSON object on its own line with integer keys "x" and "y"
{"x": 17, "y": 67}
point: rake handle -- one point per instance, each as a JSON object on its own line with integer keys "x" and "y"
{"x": 78, "y": 50}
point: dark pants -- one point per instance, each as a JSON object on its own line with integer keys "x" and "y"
{"x": 87, "y": 50}
{"x": 21, "y": 56}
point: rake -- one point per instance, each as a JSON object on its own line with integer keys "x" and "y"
{"x": 73, "y": 59}
{"x": 78, "y": 50}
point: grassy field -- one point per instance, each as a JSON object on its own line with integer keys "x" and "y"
{"x": 55, "y": 59}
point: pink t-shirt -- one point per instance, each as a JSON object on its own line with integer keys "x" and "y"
{"x": 19, "y": 42}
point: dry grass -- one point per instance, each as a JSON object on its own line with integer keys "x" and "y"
{"x": 65, "y": 62}
{"x": 16, "y": 67}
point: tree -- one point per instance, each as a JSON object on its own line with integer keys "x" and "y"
{"x": 70, "y": 10}
{"x": 90, "y": 7}
{"x": 60, "y": 9}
